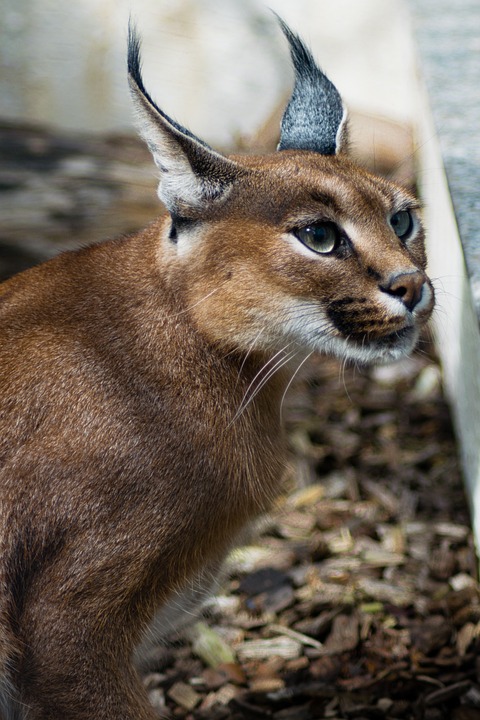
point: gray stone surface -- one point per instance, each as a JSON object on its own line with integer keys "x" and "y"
{"x": 448, "y": 41}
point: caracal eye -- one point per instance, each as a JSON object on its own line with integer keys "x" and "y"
{"x": 402, "y": 224}
{"x": 322, "y": 237}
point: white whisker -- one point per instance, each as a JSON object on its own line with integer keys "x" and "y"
{"x": 205, "y": 297}
{"x": 251, "y": 346}
{"x": 293, "y": 378}
{"x": 249, "y": 396}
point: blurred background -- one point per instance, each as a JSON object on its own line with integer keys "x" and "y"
{"x": 221, "y": 66}
{"x": 374, "y": 557}
{"x": 72, "y": 169}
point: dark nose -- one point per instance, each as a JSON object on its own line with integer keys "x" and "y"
{"x": 406, "y": 286}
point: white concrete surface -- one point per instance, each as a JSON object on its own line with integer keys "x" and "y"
{"x": 218, "y": 66}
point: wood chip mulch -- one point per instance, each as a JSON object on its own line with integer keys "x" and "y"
{"x": 359, "y": 597}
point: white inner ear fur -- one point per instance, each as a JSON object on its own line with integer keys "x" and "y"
{"x": 341, "y": 138}
{"x": 177, "y": 179}
{"x": 178, "y": 183}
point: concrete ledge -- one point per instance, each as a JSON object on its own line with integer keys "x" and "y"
{"x": 448, "y": 42}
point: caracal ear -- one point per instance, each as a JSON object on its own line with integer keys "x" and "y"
{"x": 315, "y": 118}
{"x": 193, "y": 175}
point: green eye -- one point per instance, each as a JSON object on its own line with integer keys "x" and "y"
{"x": 402, "y": 224}
{"x": 322, "y": 238}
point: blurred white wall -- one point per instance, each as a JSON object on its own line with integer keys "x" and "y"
{"x": 218, "y": 66}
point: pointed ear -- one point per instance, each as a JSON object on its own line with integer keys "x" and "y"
{"x": 315, "y": 118}
{"x": 193, "y": 176}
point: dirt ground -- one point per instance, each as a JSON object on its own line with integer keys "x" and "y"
{"x": 359, "y": 597}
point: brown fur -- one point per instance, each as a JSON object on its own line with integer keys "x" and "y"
{"x": 134, "y": 446}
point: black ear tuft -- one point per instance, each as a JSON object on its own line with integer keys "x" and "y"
{"x": 133, "y": 55}
{"x": 315, "y": 117}
{"x": 193, "y": 176}
{"x": 134, "y": 66}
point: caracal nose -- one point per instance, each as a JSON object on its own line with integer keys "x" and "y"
{"x": 407, "y": 287}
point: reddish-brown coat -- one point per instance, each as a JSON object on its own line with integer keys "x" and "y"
{"x": 125, "y": 468}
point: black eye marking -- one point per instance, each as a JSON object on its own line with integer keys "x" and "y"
{"x": 173, "y": 234}
{"x": 402, "y": 224}
{"x": 178, "y": 225}
{"x": 322, "y": 237}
